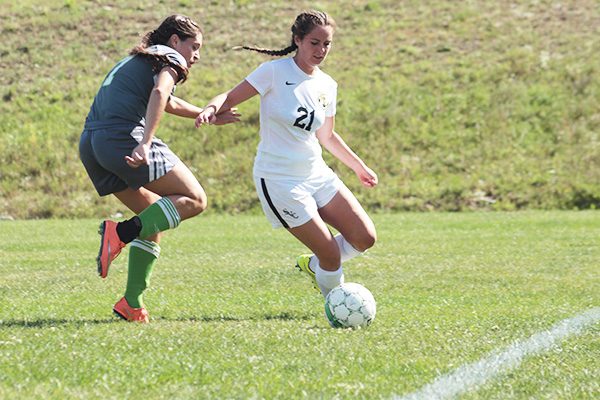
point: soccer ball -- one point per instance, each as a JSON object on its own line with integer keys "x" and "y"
{"x": 350, "y": 305}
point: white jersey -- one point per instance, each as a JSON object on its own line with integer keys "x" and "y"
{"x": 293, "y": 106}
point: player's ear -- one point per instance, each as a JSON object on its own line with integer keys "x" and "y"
{"x": 173, "y": 40}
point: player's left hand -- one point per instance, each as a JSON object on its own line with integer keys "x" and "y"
{"x": 367, "y": 177}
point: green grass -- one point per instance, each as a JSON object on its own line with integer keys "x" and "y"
{"x": 231, "y": 318}
{"x": 462, "y": 105}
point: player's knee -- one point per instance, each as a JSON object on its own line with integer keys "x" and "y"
{"x": 366, "y": 241}
{"x": 198, "y": 202}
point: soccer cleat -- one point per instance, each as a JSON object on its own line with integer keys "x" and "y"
{"x": 122, "y": 309}
{"x": 302, "y": 264}
{"x": 110, "y": 246}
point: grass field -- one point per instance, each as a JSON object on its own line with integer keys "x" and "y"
{"x": 232, "y": 319}
{"x": 466, "y": 105}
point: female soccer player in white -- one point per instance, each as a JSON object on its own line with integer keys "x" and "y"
{"x": 122, "y": 156}
{"x": 297, "y": 189}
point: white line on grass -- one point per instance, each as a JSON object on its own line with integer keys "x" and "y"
{"x": 470, "y": 376}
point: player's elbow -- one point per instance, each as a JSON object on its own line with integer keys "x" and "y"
{"x": 161, "y": 94}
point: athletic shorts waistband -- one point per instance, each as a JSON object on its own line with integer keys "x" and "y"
{"x": 112, "y": 123}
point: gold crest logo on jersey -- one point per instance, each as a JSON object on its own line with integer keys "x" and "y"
{"x": 322, "y": 100}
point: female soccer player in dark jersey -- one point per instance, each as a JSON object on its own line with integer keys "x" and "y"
{"x": 123, "y": 157}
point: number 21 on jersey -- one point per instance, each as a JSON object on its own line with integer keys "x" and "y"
{"x": 303, "y": 115}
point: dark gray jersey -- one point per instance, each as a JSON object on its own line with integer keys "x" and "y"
{"x": 125, "y": 92}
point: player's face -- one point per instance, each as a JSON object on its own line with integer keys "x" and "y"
{"x": 313, "y": 49}
{"x": 189, "y": 48}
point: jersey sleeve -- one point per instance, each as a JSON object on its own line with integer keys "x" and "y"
{"x": 262, "y": 78}
{"x": 331, "y": 109}
{"x": 172, "y": 55}
{"x": 176, "y": 59}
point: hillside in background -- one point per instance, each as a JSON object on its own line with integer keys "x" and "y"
{"x": 456, "y": 105}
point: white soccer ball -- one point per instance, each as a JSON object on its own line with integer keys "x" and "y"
{"x": 350, "y": 305}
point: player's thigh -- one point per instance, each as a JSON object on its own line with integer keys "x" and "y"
{"x": 178, "y": 181}
{"x": 137, "y": 200}
{"x": 345, "y": 214}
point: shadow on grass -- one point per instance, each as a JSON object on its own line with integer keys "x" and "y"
{"x": 50, "y": 322}
{"x": 285, "y": 316}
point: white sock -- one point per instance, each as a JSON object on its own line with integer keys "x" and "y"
{"x": 347, "y": 252}
{"x": 327, "y": 280}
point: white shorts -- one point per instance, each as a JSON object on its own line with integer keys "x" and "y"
{"x": 290, "y": 204}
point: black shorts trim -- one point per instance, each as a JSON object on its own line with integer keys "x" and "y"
{"x": 268, "y": 198}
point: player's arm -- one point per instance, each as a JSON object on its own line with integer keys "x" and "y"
{"x": 159, "y": 97}
{"x": 336, "y": 146}
{"x": 226, "y": 101}
{"x": 182, "y": 108}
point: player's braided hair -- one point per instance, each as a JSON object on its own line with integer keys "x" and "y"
{"x": 304, "y": 24}
{"x": 179, "y": 25}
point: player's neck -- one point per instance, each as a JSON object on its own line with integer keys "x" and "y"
{"x": 306, "y": 68}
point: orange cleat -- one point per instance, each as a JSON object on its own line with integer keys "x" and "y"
{"x": 122, "y": 309}
{"x": 110, "y": 246}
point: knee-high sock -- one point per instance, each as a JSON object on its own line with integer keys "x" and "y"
{"x": 327, "y": 280}
{"x": 347, "y": 252}
{"x": 158, "y": 217}
{"x": 142, "y": 258}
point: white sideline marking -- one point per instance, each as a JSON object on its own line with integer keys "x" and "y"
{"x": 470, "y": 376}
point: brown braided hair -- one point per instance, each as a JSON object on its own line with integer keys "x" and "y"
{"x": 304, "y": 24}
{"x": 175, "y": 24}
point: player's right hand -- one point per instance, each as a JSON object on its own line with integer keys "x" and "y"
{"x": 139, "y": 156}
{"x": 206, "y": 116}
{"x": 227, "y": 117}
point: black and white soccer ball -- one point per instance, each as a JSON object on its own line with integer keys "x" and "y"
{"x": 350, "y": 305}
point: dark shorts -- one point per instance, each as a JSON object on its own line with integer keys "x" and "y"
{"x": 103, "y": 150}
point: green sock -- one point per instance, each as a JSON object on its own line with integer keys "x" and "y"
{"x": 158, "y": 217}
{"x": 142, "y": 257}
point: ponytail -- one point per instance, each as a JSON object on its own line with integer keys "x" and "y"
{"x": 275, "y": 53}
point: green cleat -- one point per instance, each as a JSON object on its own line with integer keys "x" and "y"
{"x": 302, "y": 265}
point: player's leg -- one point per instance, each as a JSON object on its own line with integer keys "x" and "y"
{"x": 290, "y": 204}
{"x": 188, "y": 201}
{"x": 183, "y": 190}
{"x": 143, "y": 255}
{"x": 137, "y": 201}
{"x": 179, "y": 196}
{"x": 356, "y": 230}
{"x": 318, "y": 238}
